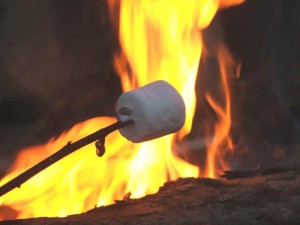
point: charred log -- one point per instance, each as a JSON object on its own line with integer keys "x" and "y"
{"x": 272, "y": 199}
{"x": 233, "y": 174}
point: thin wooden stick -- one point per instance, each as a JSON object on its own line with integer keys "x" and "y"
{"x": 66, "y": 150}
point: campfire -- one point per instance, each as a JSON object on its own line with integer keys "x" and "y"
{"x": 161, "y": 47}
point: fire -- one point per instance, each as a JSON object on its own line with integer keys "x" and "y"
{"x": 221, "y": 141}
{"x": 159, "y": 40}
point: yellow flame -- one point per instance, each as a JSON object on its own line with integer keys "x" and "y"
{"x": 159, "y": 40}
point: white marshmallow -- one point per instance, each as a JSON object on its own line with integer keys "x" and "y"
{"x": 156, "y": 109}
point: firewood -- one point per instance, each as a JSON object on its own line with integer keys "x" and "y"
{"x": 263, "y": 199}
{"x": 232, "y": 174}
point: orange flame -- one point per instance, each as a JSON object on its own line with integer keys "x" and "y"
{"x": 221, "y": 141}
{"x": 159, "y": 40}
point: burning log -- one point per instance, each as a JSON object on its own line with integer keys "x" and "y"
{"x": 270, "y": 199}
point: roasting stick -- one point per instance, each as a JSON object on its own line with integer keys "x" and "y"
{"x": 66, "y": 150}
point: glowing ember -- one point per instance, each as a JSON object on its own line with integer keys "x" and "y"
{"x": 160, "y": 40}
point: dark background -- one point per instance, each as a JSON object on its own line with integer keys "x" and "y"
{"x": 56, "y": 70}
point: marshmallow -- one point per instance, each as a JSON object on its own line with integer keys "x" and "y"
{"x": 156, "y": 109}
